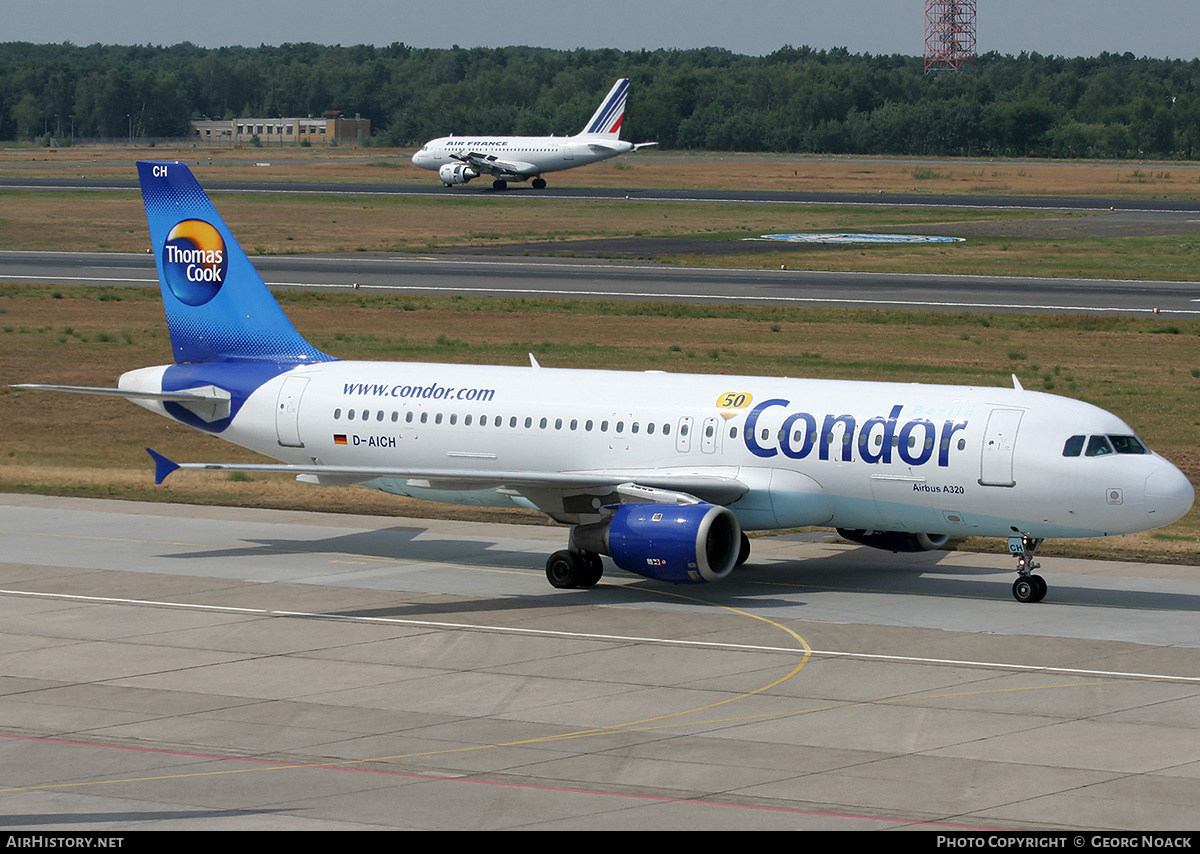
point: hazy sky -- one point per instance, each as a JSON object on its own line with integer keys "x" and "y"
{"x": 1161, "y": 28}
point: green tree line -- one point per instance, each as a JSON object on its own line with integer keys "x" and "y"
{"x": 793, "y": 100}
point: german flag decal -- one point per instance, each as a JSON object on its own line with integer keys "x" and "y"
{"x": 339, "y": 438}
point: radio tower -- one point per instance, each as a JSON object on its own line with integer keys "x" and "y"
{"x": 949, "y": 35}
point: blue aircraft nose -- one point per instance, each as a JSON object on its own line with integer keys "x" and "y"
{"x": 1169, "y": 495}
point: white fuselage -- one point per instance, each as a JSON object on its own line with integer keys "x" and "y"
{"x": 864, "y": 455}
{"x": 529, "y": 155}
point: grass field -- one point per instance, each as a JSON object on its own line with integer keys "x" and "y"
{"x": 1146, "y": 370}
{"x": 652, "y": 169}
{"x": 267, "y": 224}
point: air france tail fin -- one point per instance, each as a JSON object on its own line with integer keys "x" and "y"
{"x": 608, "y": 117}
{"x": 218, "y": 307}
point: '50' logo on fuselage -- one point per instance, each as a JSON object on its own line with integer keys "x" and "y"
{"x": 194, "y": 261}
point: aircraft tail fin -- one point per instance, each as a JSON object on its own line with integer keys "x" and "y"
{"x": 218, "y": 307}
{"x": 611, "y": 112}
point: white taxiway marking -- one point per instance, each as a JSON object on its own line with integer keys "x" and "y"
{"x": 471, "y": 627}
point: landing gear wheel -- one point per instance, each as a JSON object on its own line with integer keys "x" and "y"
{"x": 743, "y": 551}
{"x": 1030, "y": 588}
{"x": 499, "y": 184}
{"x": 594, "y": 571}
{"x": 567, "y": 570}
{"x": 539, "y": 183}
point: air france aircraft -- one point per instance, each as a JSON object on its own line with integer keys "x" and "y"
{"x": 459, "y": 159}
{"x": 663, "y": 473}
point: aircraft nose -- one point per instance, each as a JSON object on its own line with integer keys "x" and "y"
{"x": 1169, "y": 495}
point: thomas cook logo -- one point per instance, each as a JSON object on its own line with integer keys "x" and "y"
{"x": 195, "y": 261}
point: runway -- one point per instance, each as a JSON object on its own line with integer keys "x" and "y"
{"x": 433, "y": 188}
{"x": 167, "y": 666}
{"x": 599, "y": 279}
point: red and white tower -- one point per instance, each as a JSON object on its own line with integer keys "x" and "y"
{"x": 949, "y": 35}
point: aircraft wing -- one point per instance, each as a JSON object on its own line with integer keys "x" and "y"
{"x": 493, "y": 165}
{"x": 612, "y": 486}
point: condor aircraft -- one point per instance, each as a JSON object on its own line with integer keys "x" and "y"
{"x": 661, "y": 472}
{"x": 459, "y": 159}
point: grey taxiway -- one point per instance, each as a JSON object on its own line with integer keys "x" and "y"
{"x": 168, "y": 666}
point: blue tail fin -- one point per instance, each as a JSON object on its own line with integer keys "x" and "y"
{"x": 611, "y": 112}
{"x": 218, "y": 308}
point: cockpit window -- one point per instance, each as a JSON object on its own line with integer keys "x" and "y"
{"x": 1128, "y": 445}
{"x": 1098, "y": 446}
{"x": 1074, "y": 446}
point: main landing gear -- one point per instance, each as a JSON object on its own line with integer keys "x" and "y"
{"x": 568, "y": 569}
{"x": 1028, "y": 587}
{"x": 539, "y": 183}
{"x": 499, "y": 184}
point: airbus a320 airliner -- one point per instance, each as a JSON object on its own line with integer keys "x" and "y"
{"x": 459, "y": 159}
{"x": 661, "y": 472}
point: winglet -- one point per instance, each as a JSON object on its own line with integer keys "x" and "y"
{"x": 162, "y": 466}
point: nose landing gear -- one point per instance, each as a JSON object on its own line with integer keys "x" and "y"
{"x": 1028, "y": 587}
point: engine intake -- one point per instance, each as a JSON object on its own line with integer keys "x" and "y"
{"x": 456, "y": 173}
{"x": 895, "y": 541}
{"x": 680, "y": 543}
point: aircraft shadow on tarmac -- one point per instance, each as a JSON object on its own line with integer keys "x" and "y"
{"x": 860, "y": 571}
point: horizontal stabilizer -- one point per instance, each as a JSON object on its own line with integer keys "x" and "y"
{"x": 128, "y": 394}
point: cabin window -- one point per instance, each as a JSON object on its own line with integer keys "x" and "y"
{"x": 408, "y": 417}
{"x": 499, "y": 422}
{"x": 620, "y": 426}
{"x": 709, "y": 430}
{"x": 557, "y": 423}
{"x": 528, "y": 423}
{"x": 574, "y": 424}
{"x": 962, "y": 443}
{"x": 379, "y": 415}
{"x": 542, "y": 424}
{"x": 395, "y": 416}
{"x": 424, "y": 417}
{"x": 350, "y": 415}
{"x": 666, "y": 429}
{"x": 732, "y": 432}
{"x": 633, "y": 427}
{"x": 337, "y": 414}
{"x": 512, "y": 422}
{"x": 650, "y": 428}
{"x": 603, "y": 426}
{"x": 1073, "y": 447}
{"x": 587, "y": 425}
{"x": 467, "y": 421}
{"x": 453, "y": 418}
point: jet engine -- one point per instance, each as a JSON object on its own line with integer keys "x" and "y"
{"x": 680, "y": 543}
{"x": 456, "y": 173}
{"x": 895, "y": 541}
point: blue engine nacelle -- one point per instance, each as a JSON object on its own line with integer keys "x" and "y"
{"x": 456, "y": 173}
{"x": 680, "y": 543}
{"x": 895, "y": 541}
